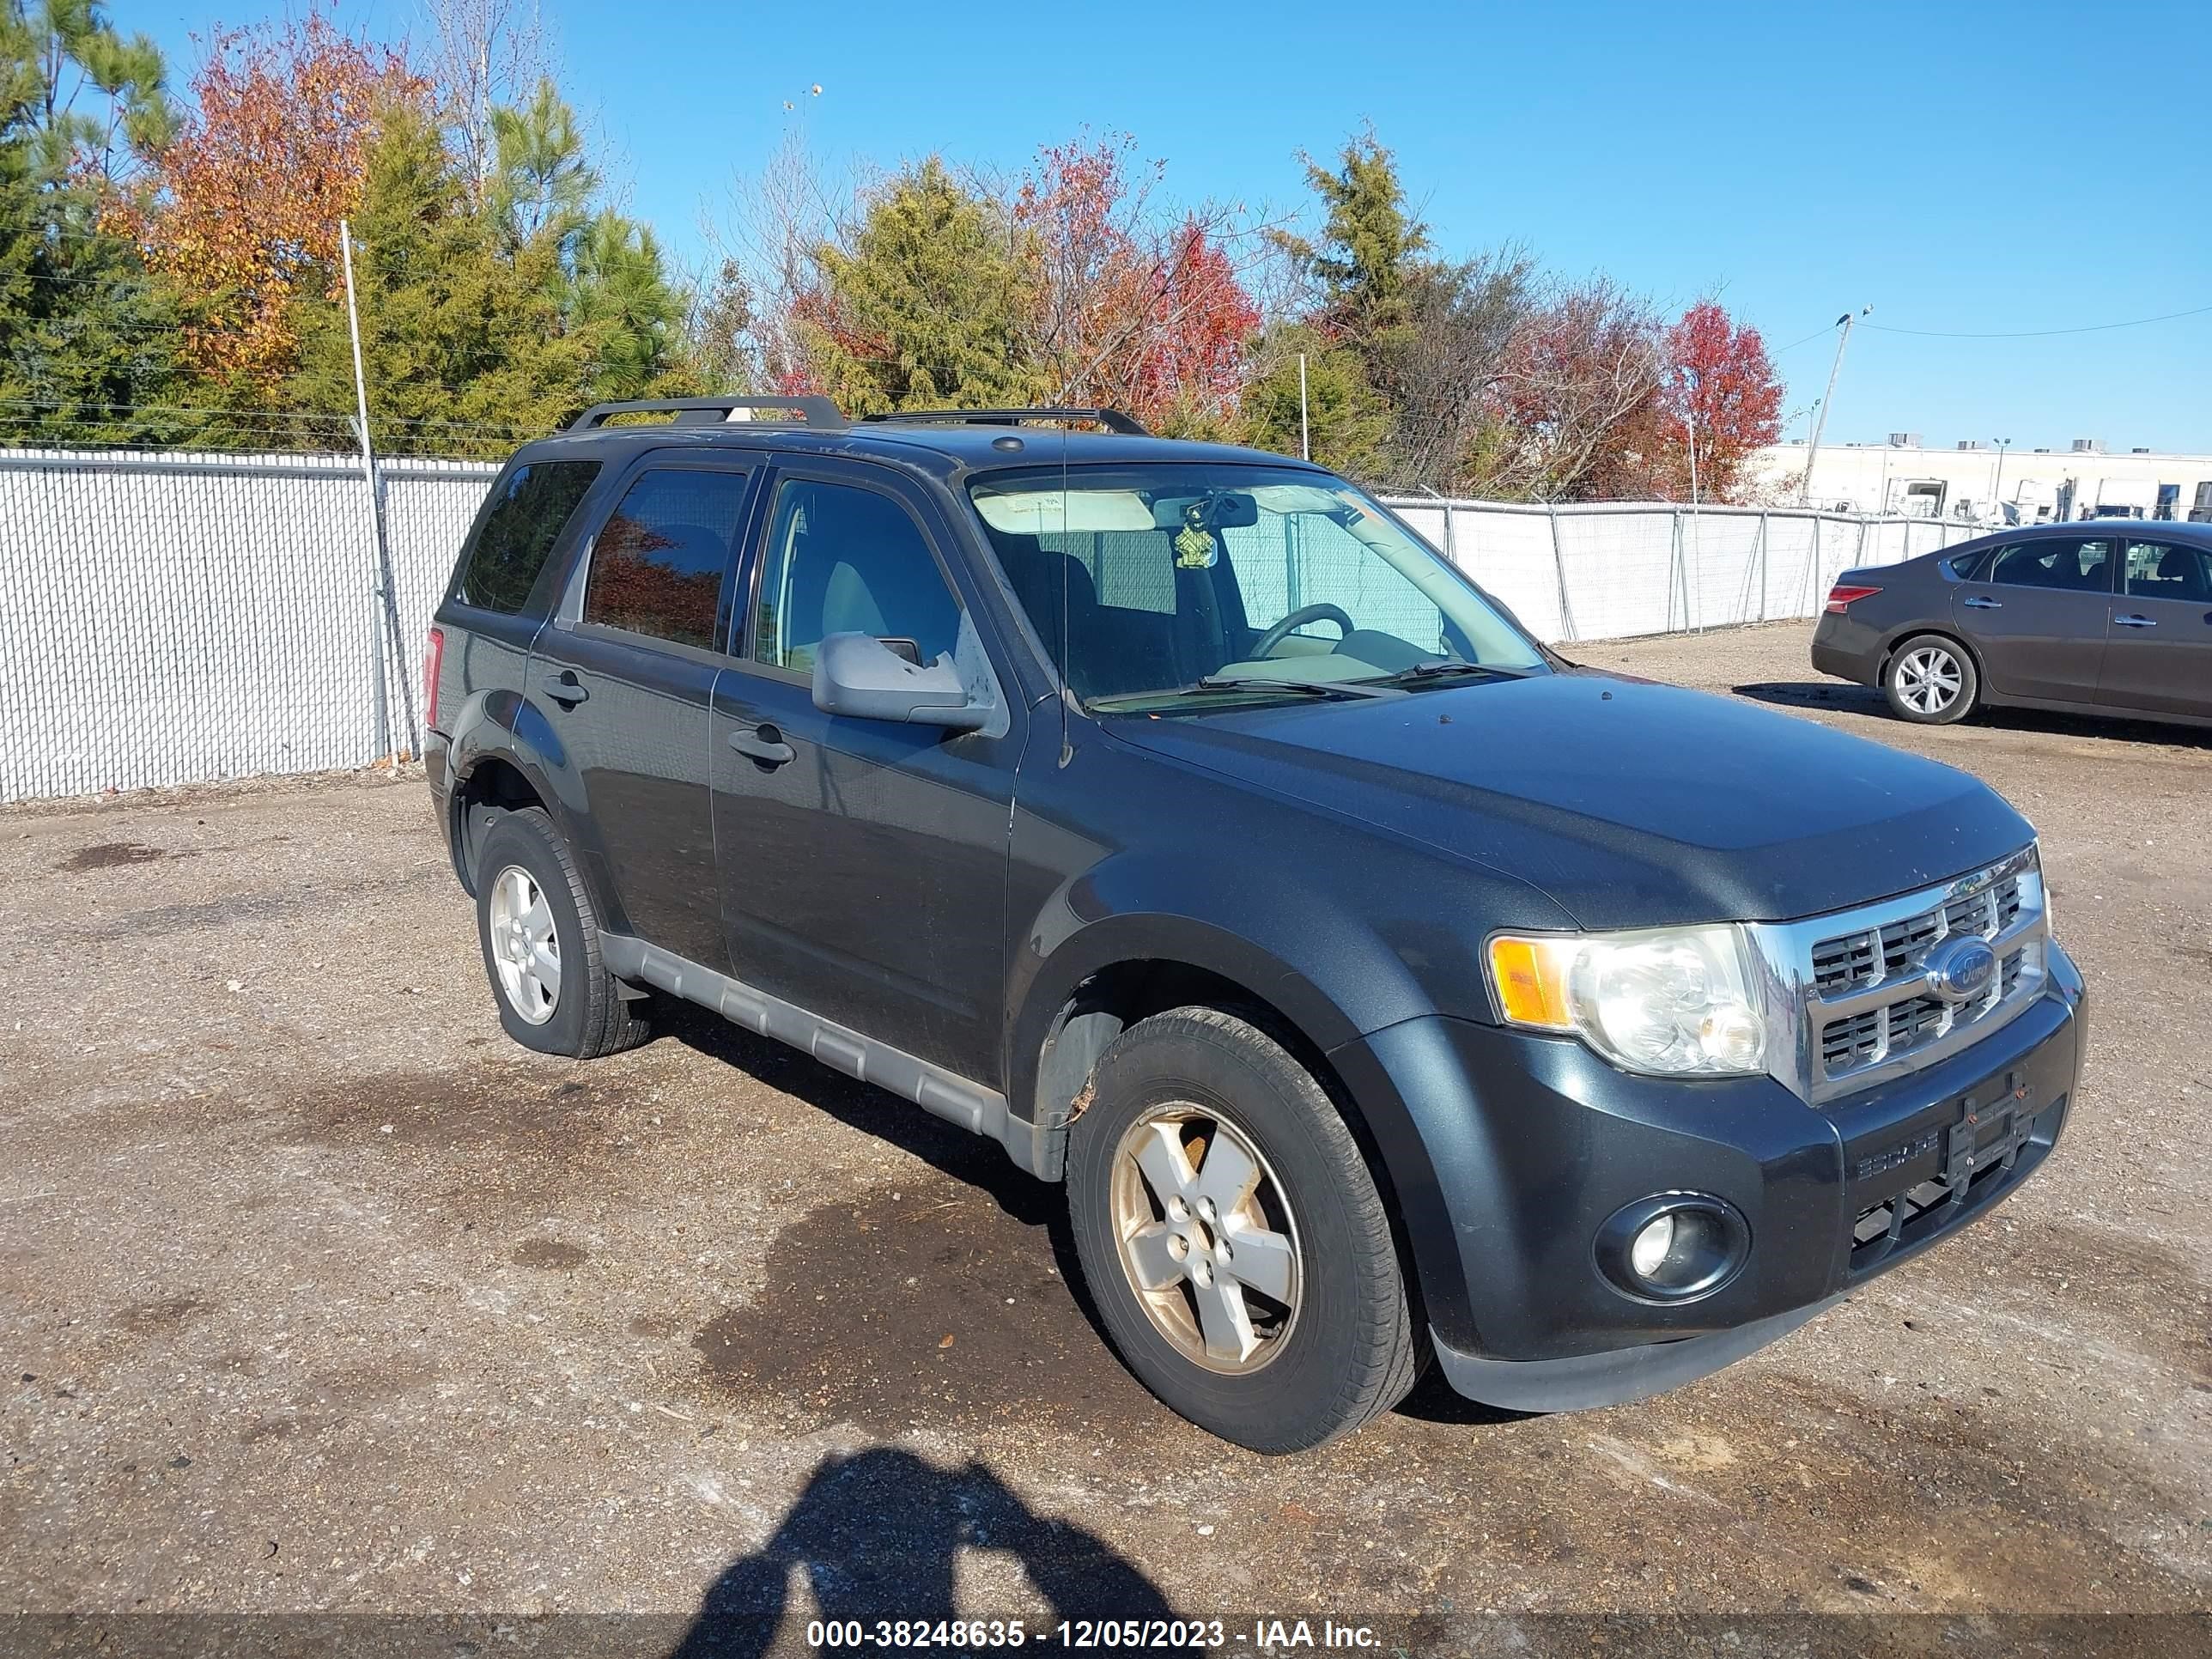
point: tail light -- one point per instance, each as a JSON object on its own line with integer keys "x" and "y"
{"x": 434, "y": 658}
{"x": 1844, "y": 595}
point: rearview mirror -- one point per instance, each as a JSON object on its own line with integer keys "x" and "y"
{"x": 860, "y": 675}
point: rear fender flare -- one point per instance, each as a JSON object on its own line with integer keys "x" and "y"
{"x": 503, "y": 726}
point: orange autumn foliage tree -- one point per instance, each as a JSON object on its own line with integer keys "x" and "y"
{"x": 243, "y": 207}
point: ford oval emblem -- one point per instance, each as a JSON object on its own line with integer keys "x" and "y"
{"x": 1960, "y": 970}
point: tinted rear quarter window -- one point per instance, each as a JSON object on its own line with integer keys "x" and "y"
{"x": 533, "y": 505}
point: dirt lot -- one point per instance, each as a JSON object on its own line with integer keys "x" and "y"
{"x": 318, "y": 1294}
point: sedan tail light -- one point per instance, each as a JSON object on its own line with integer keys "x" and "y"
{"x": 1843, "y": 594}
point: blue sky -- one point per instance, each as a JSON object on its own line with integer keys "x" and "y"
{"x": 1961, "y": 168}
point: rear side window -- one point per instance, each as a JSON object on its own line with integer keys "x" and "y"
{"x": 657, "y": 564}
{"x": 2083, "y": 566}
{"x": 534, "y": 502}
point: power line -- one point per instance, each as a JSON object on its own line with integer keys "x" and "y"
{"x": 1801, "y": 339}
{"x": 2036, "y": 333}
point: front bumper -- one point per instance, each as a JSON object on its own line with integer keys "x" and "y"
{"x": 1533, "y": 1142}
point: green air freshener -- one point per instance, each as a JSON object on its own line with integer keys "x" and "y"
{"x": 1193, "y": 544}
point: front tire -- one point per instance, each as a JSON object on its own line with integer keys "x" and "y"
{"x": 540, "y": 937}
{"x": 1233, "y": 1239}
{"x": 1931, "y": 681}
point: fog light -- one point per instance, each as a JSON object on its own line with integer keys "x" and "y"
{"x": 1673, "y": 1246}
{"x": 1653, "y": 1240}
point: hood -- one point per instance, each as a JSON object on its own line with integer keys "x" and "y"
{"x": 1629, "y": 803}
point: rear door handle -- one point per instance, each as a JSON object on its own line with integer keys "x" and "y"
{"x": 2134, "y": 622}
{"x": 1980, "y": 603}
{"x": 763, "y": 743}
{"x": 566, "y": 690}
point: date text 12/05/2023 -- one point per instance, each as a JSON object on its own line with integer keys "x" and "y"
{"x": 1264, "y": 1635}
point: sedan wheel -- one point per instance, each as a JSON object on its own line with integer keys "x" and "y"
{"x": 1930, "y": 681}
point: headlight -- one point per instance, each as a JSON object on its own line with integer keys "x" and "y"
{"x": 1675, "y": 1002}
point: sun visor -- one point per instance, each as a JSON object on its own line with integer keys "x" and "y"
{"x": 1050, "y": 512}
{"x": 1298, "y": 498}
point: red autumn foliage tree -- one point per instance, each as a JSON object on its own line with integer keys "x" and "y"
{"x": 1127, "y": 311}
{"x": 1721, "y": 386}
{"x": 1570, "y": 414}
{"x": 244, "y": 206}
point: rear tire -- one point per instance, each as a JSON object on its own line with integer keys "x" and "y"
{"x": 1930, "y": 681}
{"x": 540, "y": 939}
{"x": 1232, "y": 1236}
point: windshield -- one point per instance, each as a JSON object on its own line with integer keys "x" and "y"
{"x": 1151, "y": 585}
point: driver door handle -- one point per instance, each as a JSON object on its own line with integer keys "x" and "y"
{"x": 763, "y": 743}
{"x": 2135, "y": 621}
{"x": 566, "y": 689}
{"x": 1978, "y": 603}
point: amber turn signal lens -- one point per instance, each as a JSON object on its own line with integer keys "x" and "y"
{"x": 1531, "y": 981}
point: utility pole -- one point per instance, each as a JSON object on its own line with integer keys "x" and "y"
{"x": 1997, "y": 485}
{"x": 1696, "y": 540}
{"x": 1305, "y": 433}
{"x": 385, "y": 606}
{"x": 1844, "y": 322}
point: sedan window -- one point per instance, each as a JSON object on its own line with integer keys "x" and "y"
{"x": 2157, "y": 571}
{"x": 2083, "y": 566}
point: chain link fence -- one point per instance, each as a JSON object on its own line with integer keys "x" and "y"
{"x": 1615, "y": 570}
{"x": 173, "y": 618}
{"x": 179, "y": 618}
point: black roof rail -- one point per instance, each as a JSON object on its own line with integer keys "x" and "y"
{"x": 819, "y": 413}
{"x": 1112, "y": 419}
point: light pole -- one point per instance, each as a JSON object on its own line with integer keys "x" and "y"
{"x": 1997, "y": 485}
{"x": 1844, "y": 322}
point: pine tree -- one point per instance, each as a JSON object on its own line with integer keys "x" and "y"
{"x": 1347, "y": 420}
{"x": 922, "y": 305}
{"x": 464, "y": 346}
{"x": 1369, "y": 251}
{"x": 87, "y": 338}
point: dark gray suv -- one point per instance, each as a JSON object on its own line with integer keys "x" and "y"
{"x": 1381, "y": 987}
{"x": 2106, "y": 616}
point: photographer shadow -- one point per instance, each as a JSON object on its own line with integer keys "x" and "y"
{"x": 877, "y": 1534}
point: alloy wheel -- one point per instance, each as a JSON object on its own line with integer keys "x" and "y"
{"x": 1929, "y": 679}
{"x": 1207, "y": 1238}
{"x": 524, "y": 945}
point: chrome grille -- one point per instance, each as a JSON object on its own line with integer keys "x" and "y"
{"x": 1871, "y": 1007}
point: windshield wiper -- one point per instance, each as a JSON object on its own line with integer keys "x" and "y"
{"x": 1444, "y": 668}
{"x": 1210, "y": 682}
{"x": 1260, "y": 682}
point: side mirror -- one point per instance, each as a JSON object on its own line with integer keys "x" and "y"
{"x": 860, "y": 675}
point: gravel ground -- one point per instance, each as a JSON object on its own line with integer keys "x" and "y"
{"x": 318, "y": 1294}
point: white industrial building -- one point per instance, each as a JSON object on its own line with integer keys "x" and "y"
{"x": 1981, "y": 482}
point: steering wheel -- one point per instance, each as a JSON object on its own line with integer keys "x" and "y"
{"x": 1299, "y": 618}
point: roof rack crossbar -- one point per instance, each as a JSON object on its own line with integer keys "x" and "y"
{"x": 1112, "y": 419}
{"x": 819, "y": 413}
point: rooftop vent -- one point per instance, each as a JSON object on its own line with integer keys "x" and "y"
{"x": 1970, "y": 443}
{"x": 2088, "y": 445}
{"x": 1904, "y": 440}
{"x": 2140, "y": 449}
{"x": 2042, "y": 451}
